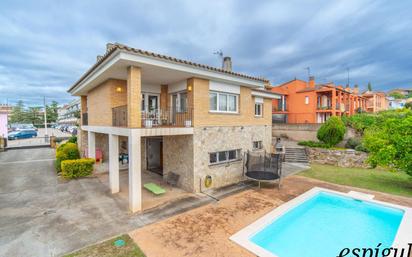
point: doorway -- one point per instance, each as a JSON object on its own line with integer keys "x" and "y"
{"x": 154, "y": 154}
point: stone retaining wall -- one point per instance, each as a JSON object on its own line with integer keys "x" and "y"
{"x": 342, "y": 158}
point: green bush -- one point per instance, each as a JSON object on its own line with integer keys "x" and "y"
{"x": 66, "y": 151}
{"x": 361, "y": 148}
{"x": 77, "y": 168}
{"x": 352, "y": 143}
{"x": 389, "y": 142}
{"x": 332, "y": 131}
{"x": 313, "y": 144}
{"x": 73, "y": 139}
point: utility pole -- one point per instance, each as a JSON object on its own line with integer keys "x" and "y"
{"x": 45, "y": 118}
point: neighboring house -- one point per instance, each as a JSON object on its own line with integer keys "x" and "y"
{"x": 307, "y": 102}
{"x": 171, "y": 115}
{"x": 5, "y": 111}
{"x": 396, "y": 103}
{"x": 376, "y": 101}
{"x": 403, "y": 91}
{"x": 3, "y": 124}
{"x": 68, "y": 114}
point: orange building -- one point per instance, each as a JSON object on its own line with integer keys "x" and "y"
{"x": 376, "y": 101}
{"x": 307, "y": 102}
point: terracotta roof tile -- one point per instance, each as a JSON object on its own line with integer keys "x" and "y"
{"x": 113, "y": 47}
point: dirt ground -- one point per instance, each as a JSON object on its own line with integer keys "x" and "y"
{"x": 205, "y": 231}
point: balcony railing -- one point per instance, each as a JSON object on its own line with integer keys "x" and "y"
{"x": 324, "y": 107}
{"x": 169, "y": 117}
{"x": 279, "y": 109}
{"x": 85, "y": 119}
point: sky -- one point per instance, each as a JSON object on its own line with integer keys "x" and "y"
{"x": 45, "y": 46}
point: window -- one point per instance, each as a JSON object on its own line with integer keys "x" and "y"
{"x": 224, "y": 156}
{"x": 258, "y": 109}
{"x": 223, "y": 102}
{"x": 306, "y": 99}
{"x": 257, "y": 145}
{"x": 179, "y": 101}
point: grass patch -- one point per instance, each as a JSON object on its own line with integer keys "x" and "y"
{"x": 397, "y": 183}
{"x": 108, "y": 249}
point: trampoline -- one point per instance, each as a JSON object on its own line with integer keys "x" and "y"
{"x": 263, "y": 167}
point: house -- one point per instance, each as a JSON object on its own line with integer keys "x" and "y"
{"x": 402, "y": 91}
{"x": 396, "y": 103}
{"x": 375, "y": 101}
{"x": 171, "y": 116}
{"x": 68, "y": 114}
{"x": 5, "y": 111}
{"x": 308, "y": 102}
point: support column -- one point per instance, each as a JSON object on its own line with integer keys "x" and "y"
{"x": 333, "y": 102}
{"x": 134, "y": 97}
{"x": 283, "y": 103}
{"x": 91, "y": 144}
{"x": 114, "y": 163}
{"x": 135, "y": 173}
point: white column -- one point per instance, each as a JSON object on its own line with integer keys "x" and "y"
{"x": 283, "y": 103}
{"x": 135, "y": 176}
{"x": 91, "y": 147}
{"x": 114, "y": 163}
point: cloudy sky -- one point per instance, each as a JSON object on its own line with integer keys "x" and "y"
{"x": 47, "y": 45}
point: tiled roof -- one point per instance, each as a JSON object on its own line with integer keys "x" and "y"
{"x": 113, "y": 47}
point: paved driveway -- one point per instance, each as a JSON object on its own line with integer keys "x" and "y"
{"x": 42, "y": 216}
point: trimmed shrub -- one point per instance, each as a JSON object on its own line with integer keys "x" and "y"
{"x": 77, "y": 168}
{"x": 332, "y": 131}
{"x": 66, "y": 151}
{"x": 73, "y": 139}
{"x": 313, "y": 144}
{"x": 352, "y": 143}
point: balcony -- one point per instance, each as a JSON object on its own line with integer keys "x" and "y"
{"x": 324, "y": 107}
{"x": 278, "y": 109}
{"x": 168, "y": 117}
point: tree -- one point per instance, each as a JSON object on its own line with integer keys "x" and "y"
{"x": 18, "y": 114}
{"x": 52, "y": 112}
{"x": 332, "y": 131}
{"x": 389, "y": 141}
{"x": 34, "y": 116}
{"x": 397, "y": 95}
{"x": 369, "y": 86}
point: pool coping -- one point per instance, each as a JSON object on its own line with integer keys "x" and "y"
{"x": 402, "y": 238}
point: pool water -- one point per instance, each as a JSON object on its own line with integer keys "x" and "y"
{"x": 326, "y": 223}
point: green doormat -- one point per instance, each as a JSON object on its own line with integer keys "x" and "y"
{"x": 119, "y": 243}
{"x": 155, "y": 189}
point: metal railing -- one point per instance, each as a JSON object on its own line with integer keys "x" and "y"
{"x": 85, "y": 119}
{"x": 324, "y": 107}
{"x": 169, "y": 117}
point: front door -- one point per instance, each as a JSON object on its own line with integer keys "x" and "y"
{"x": 154, "y": 152}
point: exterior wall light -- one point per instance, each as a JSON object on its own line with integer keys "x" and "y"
{"x": 189, "y": 88}
{"x": 119, "y": 89}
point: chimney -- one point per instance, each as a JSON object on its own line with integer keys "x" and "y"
{"x": 356, "y": 90}
{"x": 98, "y": 58}
{"x": 312, "y": 81}
{"x": 227, "y": 63}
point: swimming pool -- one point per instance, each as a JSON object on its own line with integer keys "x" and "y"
{"x": 322, "y": 222}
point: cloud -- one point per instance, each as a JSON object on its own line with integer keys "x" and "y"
{"x": 47, "y": 45}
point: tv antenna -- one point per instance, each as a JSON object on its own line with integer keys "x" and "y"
{"x": 219, "y": 53}
{"x": 308, "y": 69}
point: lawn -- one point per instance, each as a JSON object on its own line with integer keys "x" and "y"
{"x": 108, "y": 249}
{"x": 397, "y": 183}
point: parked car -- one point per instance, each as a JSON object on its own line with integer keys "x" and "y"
{"x": 26, "y": 133}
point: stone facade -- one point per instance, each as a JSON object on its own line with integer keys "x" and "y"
{"x": 342, "y": 158}
{"x": 214, "y": 139}
{"x": 178, "y": 158}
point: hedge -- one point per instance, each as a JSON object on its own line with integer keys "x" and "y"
{"x": 77, "y": 168}
{"x": 66, "y": 151}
